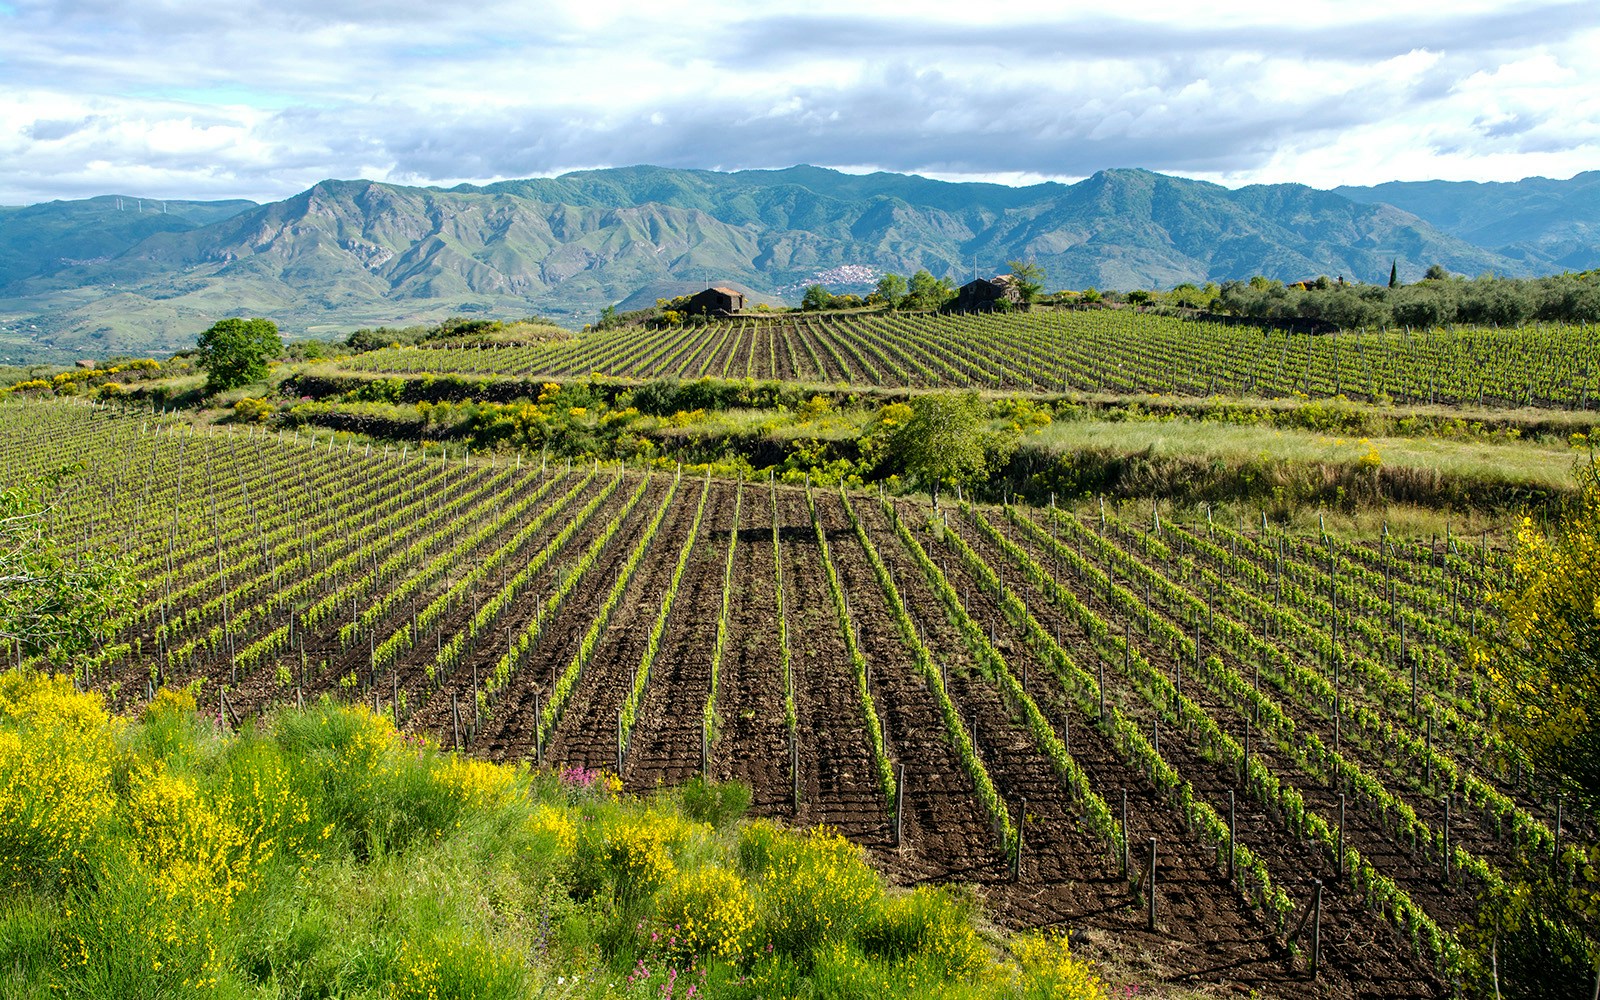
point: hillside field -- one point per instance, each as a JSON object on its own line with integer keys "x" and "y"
{"x": 1027, "y": 699}
{"x": 1091, "y": 351}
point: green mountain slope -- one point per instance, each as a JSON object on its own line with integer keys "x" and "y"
{"x": 350, "y": 253}
{"x": 41, "y": 239}
{"x": 1551, "y": 224}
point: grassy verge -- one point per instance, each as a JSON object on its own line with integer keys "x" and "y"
{"x": 1286, "y": 471}
{"x": 322, "y": 853}
{"x": 1541, "y": 463}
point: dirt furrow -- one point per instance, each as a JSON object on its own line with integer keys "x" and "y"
{"x": 665, "y": 746}
{"x": 838, "y": 784}
{"x": 751, "y": 736}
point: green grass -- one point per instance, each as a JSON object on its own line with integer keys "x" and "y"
{"x": 1541, "y": 463}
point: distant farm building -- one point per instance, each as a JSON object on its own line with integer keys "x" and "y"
{"x": 1314, "y": 283}
{"x": 715, "y": 302}
{"x": 986, "y": 294}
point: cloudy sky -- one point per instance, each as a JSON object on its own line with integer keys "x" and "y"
{"x": 209, "y": 99}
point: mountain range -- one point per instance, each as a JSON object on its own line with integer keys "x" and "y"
{"x": 114, "y": 274}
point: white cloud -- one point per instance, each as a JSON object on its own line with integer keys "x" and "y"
{"x": 257, "y": 99}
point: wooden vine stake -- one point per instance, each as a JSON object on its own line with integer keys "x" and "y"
{"x": 1016, "y": 855}
{"x": 899, "y": 800}
{"x": 1124, "y": 833}
{"x": 1340, "y": 859}
{"x": 1233, "y": 836}
{"x": 794, "y": 769}
{"x": 538, "y": 727}
{"x": 1316, "y": 928}
{"x": 1150, "y": 874}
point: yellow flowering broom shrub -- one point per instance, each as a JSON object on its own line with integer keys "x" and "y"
{"x": 705, "y": 912}
{"x": 50, "y": 700}
{"x": 630, "y": 854}
{"x": 475, "y": 784}
{"x": 1046, "y": 970}
{"x": 552, "y": 833}
{"x": 456, "y": 968}
{"x": 812, "y": 890}
{"x": 57, "y": 758}
{"x": 929, "y": 926}
{"x": 1544, "y": 659}
{"x": 158, "y": 904}
{"x": 188, "y": 848}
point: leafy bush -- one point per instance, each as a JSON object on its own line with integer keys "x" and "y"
{"x": 252, "y": 410}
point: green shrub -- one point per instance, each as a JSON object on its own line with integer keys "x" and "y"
{"x": 718, "y": 804}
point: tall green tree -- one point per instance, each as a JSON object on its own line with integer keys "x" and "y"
{"x": 1394, "y": 273}
{"x": 816, "y": 298}
{"x": 891, "y": 289}
{"x": 235, "y": 352}
{"x": 53, "y": 603}
{"x": 943, "y": 443}
{"x": 927, "y": 292}
{"x": 1028, "y": 277}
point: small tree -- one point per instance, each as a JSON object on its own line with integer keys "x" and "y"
{"x": 927, "y": 292}
{"x": 235, "y": 352}
{"x": 816, "y": 298}
{"x": 943, "y": 439}
{"x": 1394, "y": 273}
{"x": 1028, "y": 278}
{"x": 891, "y": 289}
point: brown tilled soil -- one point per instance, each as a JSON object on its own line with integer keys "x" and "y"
{"x": 1208, "y": 935}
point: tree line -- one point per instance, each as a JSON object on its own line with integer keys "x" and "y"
{"x": 922, "y": 292}
{"x": 1436, "y": 300}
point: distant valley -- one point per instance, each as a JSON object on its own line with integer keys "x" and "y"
{"x": 115, "y": 274}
